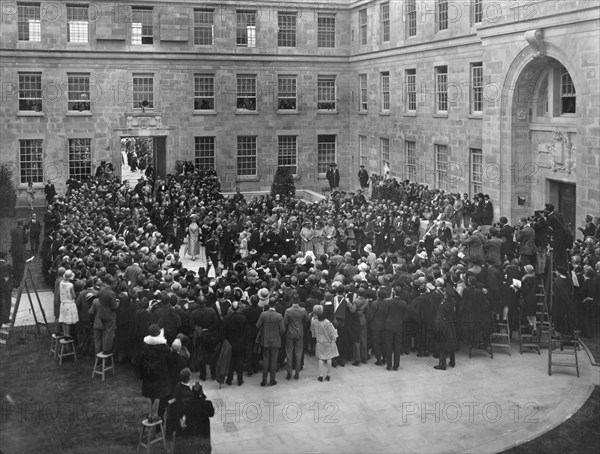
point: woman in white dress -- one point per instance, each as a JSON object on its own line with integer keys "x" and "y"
{"x": 325, "y": 335}
{"x": 319, "y": 239}
{"x": 244, "y": 244}
{"x": 193, "y": 244}
{"x": 306, "y": 237}
{"x": 68, "y": 309}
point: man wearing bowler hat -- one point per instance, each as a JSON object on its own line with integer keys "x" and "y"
{"x": 333, "y": 177}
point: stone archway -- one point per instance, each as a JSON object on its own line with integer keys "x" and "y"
{"x": 538, "y": 147}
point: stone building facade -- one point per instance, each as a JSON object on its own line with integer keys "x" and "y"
{"x": 474, "y": 96}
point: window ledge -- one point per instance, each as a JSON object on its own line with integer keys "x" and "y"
{"x": 247, "y": 178}
{"x": 76, "y": 113}
{"x": 246, "y": 112}
{"x": 327, "y": 112}
{"x": 27, "y": 113}
{"x": 204, "y": 112}
{"x": 288, "y": 112}
{"x": 475, "y": 117}
{"x": 385, "y": 114}
{"x": 363, "y": 112}
{"x": 440, "y": 115}
{"x": 412, "y": 113}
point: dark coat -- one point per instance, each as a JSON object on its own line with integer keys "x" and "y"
{"x": 528, "y": 289}
{"x": 154, "y": 371}
{"x": 395, "y": 309}
{"x": 476, "y": 316}
{"x": 197, "y": 414}
{"x": 445, "y": 321}
{"x": 376, "y": 315}
{"x": 233, "y": 328}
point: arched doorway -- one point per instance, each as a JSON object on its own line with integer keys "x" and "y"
{"x": 544, "y": 132}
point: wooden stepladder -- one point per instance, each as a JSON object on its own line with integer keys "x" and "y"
{"x": 26, "y": 282}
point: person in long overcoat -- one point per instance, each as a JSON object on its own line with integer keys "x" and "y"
{"x": 510, "y": 294}
{"x": 528, "y": 294}
{"x": 154, "y": 370}
{"x": 564, "y": 311}
{"x": 445, "y": 327}
{"x": 475, "y": 314}
{"x": 395, "y": 310}
{"x": 193, "y": 435}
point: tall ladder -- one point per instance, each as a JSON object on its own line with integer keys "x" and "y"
{"x": 529, "y": 341}
{"x": 26, "y": 281}
{"x": 501, "y": 335}
{"x": 561, "y": 347}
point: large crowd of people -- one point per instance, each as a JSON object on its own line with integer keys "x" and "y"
{"x": 345, "y": 279}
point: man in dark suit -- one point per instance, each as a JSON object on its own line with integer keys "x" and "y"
{"x": 488, "y": 210}
{"x": 286, "y": 241}
{"x": 174, "y": 234}
{"x": 17, "y": 250}
{"x": 363, "y": 178}
{"x": 35, "y": 229}
{"x": 506, "y": 235}
{"x": 271, "y": 323}
{"x": 50, "y": 192}
{"x": 233, "y": 328}
{"x": 333, "y": 177}
{"x": 561, "y": 235}
{"x": 395, "y": 309}
{"x": 6, "y": 286}
{"x": 294, "y": 320}
{"x": 376, "y": 319}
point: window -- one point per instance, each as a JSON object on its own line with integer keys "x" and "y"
{"x": 31, "y": 161}
{"x": 442, "y": 15}
{"x": 411, "y": 90}
{"x": 362, "y": 18}
{"x": 362, "y": 151}
{"x": 384, "y": 145}
{"x": 246, "y": 92}
{"x": 30, "y": 92}
{"x": 326, "y": 30}
{"x": 246, "y": 156}
{"x": 568, "y": 97}
{"x": 79, "y": 92}
{"x": 410, "y": 148}
{"x": 385, "y": 22}
{"x": 441, "y": 89}
{"x": 286, "y": 35}
{"x": 203, "y": 27}
{"x": 288, "y": 154}
{"x": 441, "y": 167}
{"x": 411, "y": 18}
{"x": 326, "y": 93}
{"x": 476, "y": 171}
{"x": 80, "y": 159}
{"x": 141, "y": 26}
{"x": 204, "y": 92}
{"x": 363, "y": 93}
{"x": 477, "y": 11}
{"x": 385, "y": 91}
{"x": 325, "y": 152}
{"x": 246, "y": 28}
{"x": 77, "y": 23}
{"x": 477, "y": 88}
{"x": 204, "y": 158}
{"x": 29, "y": 23}
{"x": 143, "y": 90}
{"x": 286, "y": 93}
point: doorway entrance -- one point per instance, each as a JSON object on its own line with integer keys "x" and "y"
{"x": 563, "y": 196}
{"x": 143, "y": 157}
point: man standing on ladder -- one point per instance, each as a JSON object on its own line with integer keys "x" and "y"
{"x": 6, "y": 286}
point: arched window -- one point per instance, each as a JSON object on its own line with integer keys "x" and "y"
{"x": 568, "y": 98}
